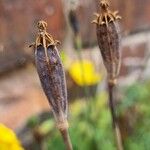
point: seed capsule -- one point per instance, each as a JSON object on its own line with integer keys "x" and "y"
{"x": 51, "y": 74}
{"x": 52, "y": 77}
{"x": 108, "y": 39}
{"x": 53, "y": 82}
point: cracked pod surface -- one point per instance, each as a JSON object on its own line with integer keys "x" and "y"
{"x": 53, "y": 81}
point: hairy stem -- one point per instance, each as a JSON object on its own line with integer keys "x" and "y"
{"x": 66, "y": 138}
{"x": 114, "y": 118}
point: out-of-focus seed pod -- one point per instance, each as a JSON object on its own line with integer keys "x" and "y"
{"x": 52, "y": 77}
{"x": 108, "y": 39}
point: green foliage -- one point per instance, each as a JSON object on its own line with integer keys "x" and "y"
{"x": 90, "y": 124}
{"x": 137, "y": 96}
{"x": 90, "y": 127}
{"x": 133, "y": 95}
{"x": 46, "y": 127}
{"x": 33, "y": 121}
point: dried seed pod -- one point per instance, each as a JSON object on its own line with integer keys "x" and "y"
{"x": 53, "y": 82}
{"x": 108, "y": 39}
{"x": 51, "y": 74}
{"x": 52, "y": 77}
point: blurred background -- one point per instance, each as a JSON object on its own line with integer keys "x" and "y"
{"x": 24, "y": 108}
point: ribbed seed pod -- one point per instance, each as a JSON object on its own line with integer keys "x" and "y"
{"x": 53, "y": 82}
{"x": 108, "y": 39}
{"x": 52, "y": 77}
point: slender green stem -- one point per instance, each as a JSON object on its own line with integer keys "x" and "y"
{"x": 114, "y": 118}
{"x": 78, "y": 43}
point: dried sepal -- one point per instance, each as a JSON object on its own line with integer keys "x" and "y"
{"x": 106, "y": 15}
{"x": 44, "y": 38}
{"x": 49, "y": 40}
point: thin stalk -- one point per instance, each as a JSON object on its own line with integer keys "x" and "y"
{"x": 66, "y": 138}
{"x": 78, "y": 43}
{"x": 114, "y": 118}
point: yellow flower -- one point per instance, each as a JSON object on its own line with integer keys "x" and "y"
{"x": 8, "y": 139}
{"x": 83, "y": 73}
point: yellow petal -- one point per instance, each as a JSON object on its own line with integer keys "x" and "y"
{"x": 83, "y": 73}
{"x": 8, "y": 139}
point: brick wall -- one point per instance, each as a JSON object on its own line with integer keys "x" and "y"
{"x": 135, "y": 13}
{"x": 135, "y": 57}
{"x": 18, "y": 20}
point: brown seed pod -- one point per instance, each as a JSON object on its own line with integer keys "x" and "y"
{"x": 51, "y": 74}
{"x": 52, "y": 77}
{"x": 53, "y": 82}
{"x": 108, "y": 39}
